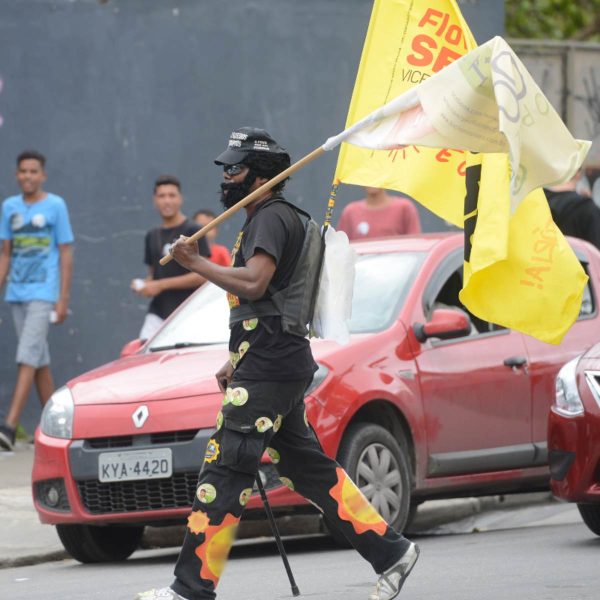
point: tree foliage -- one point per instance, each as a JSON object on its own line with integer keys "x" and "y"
{"x": 554, "y": 19}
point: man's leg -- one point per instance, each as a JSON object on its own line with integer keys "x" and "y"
{"x": 32, "y": 320}
{"x": 224, "y": 487}
{"x": 308, "y": 470}
{"x": 152, "y": 323}
{"x": 252, "y": 412}
{"x": 25, "y": 378}
{"x": 44, "y": 384}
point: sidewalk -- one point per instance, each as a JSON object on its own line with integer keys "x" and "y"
{"x": 25, "y": 541}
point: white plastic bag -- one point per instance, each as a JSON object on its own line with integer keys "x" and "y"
{"x": 333, "y": 307}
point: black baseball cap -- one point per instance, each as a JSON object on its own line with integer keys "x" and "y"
{"x": 245, "y": 140}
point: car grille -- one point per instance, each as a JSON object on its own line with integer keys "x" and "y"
{"x": 150, "y": 494}
{"x": 126, "y": 441}
{"x": 133, "y": 496}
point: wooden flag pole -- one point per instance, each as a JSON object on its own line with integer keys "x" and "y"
{"x": 250, "y": 198}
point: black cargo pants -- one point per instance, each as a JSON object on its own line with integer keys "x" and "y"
{"x": 258, "y": 416}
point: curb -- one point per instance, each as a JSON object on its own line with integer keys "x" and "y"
{"x": 430, "y": 514}
{"x": 434, "y": 513}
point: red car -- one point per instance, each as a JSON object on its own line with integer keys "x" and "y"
{"x": 574, "y": 434}
{"x": 426, "y": 401}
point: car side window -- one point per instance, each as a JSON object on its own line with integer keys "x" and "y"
{"x": 588, "y": 306}
{"x": 448, "y": 297}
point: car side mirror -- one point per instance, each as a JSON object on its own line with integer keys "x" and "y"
{"x": 445, "y": 324}
{"x": 131, "y": 347}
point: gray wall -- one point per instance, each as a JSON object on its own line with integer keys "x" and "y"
{"x": 117, "y": 92}
{"x": 569, "y": 75}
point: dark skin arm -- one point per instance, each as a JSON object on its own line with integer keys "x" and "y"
{"x": 249, "y": 282}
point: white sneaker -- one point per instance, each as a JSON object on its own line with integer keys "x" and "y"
{"x": 162, "y": 594}
{"x": 390, "y": 583}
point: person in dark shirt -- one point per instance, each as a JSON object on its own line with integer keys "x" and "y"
{"x": 168, "y": 285}
{"x": 264, "y": 382}
{"x": 574, "y": 214}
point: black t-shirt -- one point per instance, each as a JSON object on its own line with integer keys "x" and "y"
{"x": 575, "y": 215}
{"x": 156, "y": 246}
{"x": 258, "y": 348}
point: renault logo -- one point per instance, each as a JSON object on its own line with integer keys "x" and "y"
{"x": 140, "y": 416}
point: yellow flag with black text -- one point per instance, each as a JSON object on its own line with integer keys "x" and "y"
{"x": 519, "y": 270}
{"x": 407, "y": 42}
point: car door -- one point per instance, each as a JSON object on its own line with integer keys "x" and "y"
{"x": 476, "y": 390}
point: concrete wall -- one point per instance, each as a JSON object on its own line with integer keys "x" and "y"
{"x": 569, "y": 75}
{"x": 116, "y": 92}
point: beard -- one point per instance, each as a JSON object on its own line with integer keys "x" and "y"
{"x": 232, "y": 193}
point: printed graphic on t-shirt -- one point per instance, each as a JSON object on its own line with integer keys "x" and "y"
{"x": 232, "y": 298}
{"x": 363, "y": 228}
{"x": 30, "y": 248}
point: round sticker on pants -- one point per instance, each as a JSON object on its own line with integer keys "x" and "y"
{"x": 245, "y": 496}
{"x": 243, "y": 348}
{"x": 250, "y": 324}
{"x": 287, "y": 482}
{"x": 206, "y": 493}
{"x": 237, "y": 396}
{"x": 273, "y": 455}
{"x": 263, "y": 423}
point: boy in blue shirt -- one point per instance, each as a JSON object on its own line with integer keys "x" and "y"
{"x": 36, "y": 260}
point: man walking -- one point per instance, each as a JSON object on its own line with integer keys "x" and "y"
{"x": 264, "y": 383}
{"x": 168, "y": 285}
{"x": 37, "y": 256}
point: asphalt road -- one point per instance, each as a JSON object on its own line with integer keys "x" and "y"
{"x": 534, "y": 553}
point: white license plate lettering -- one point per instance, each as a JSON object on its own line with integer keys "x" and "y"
{"x": 135, "y": 465}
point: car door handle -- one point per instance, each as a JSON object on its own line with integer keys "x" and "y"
{"x": 516, "y": 362}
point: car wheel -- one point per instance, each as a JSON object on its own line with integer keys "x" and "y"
{"x": 379, "y": 465}
{"x": 590, "y": 513}
{"x": 95, "y": 543}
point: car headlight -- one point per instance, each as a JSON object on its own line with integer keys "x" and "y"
{"x": 57, "y": 416}
{"x": 567, "y": 401}
{"x": 318, "y": 379}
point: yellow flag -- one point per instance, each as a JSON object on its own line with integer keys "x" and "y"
{"x": 407, "y": 42}
{"x": 520, "y": 272}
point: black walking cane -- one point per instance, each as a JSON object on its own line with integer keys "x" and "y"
{"x": 286, "y": 564}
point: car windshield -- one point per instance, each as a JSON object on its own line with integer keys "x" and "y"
{"x": 380, "y": 288}
{"x": 381, "y": 284}
{"x": 202, "y": 321}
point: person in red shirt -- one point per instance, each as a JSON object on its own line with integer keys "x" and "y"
{"x": 379, "y": 215}
{"x": 219, "y": 254}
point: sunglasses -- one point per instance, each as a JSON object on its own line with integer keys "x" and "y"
{"x": 233, "y": 170}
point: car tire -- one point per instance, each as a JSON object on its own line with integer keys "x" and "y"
{"x": 590, "y": 513}
{"x": 97, "y": 544}
{"x": 371, "y": 445}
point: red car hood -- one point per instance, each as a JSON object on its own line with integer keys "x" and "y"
{"x": 160, "y": 376}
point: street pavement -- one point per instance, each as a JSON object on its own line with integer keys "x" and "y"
{"x": 25, "y": 541}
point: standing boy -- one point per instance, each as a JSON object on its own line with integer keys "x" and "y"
{"x": 168, "y": 285}
{"x": 37, "y": 257}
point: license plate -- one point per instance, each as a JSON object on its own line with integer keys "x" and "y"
{"x": 135, "y": 464}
